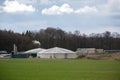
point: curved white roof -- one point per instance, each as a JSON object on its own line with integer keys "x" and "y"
{"x": 34, "y": 50}
{"x": 56, "y": 50}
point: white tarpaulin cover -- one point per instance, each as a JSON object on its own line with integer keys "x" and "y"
{"x": 57, "y": 52}
{"x": 34, "y": 50}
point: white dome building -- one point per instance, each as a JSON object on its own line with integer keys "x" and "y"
{"x": 36, "y": 50}
{"x": 57, "y": 52}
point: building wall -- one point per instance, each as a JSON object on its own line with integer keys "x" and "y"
{"x": 74, "y": 55}
{"x": 57, "y": 55}
{"x": 88, "y": 50}
{"x": 99, "y": 50}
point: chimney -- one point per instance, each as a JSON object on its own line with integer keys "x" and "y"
{"x": 15, "y": 48}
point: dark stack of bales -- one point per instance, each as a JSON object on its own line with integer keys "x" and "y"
{"x": 23, "y": 55}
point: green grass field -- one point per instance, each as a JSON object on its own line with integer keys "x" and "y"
{"x": 64, "y": 69}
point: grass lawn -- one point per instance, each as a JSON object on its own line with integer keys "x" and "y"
{"x": 56, "y": 69}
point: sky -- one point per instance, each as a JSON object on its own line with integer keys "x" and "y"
{"x": 86, "y": 16}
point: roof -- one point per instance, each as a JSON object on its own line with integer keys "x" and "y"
{"x": 34, "y": 50}
{"x": 56, "y": 50}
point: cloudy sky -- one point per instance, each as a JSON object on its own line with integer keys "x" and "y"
{"x": 87, "y": 16}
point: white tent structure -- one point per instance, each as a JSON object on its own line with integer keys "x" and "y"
{"x": 36, "y": 50}
{"x": 57, "y": 52}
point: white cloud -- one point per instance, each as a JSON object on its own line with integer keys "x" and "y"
{"x": 67, "y": 9}
{"x": 28, "y": 1}
{"x": 111, "y": 7}
{"x": 56, "y": 10}
{"x": 86, "y": 10}
{"x": 38, "y": 2}
{"x": 0, "y": 9}
{"x": 45, "y": 2}
{"x": 14, "y": 6}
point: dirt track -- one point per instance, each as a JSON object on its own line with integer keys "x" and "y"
{"x": 113, "y": 56}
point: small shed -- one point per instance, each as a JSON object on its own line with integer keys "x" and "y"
{"x": 57, "y": 52}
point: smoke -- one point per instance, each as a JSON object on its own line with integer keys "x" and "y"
{"x": 36, "y": 42}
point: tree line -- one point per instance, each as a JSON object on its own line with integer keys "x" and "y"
{"x": 52, "y": 37}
